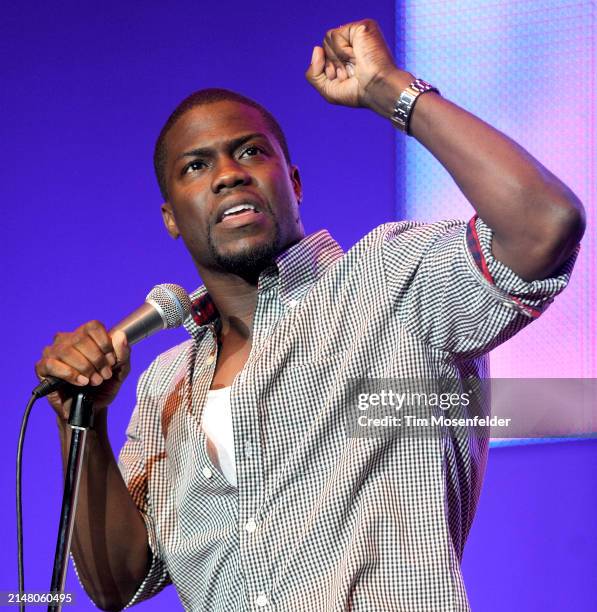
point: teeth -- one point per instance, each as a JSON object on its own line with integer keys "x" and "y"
{"x": 238, "y": 208}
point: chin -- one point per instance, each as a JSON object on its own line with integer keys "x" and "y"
{"x": 248, "y": 256}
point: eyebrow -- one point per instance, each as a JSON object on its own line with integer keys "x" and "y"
{"x": 230, "y": 145}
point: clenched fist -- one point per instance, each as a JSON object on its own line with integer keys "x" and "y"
{"x": 354, "y": 66}
{"x": 87, "y": 356}
{"x": 350, "y": 61}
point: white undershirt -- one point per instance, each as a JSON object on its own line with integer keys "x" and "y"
{"x": 217, "y": 426}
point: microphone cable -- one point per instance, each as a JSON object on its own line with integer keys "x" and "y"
{"x": 21, "y": 567}
{"x": 166, "y": 307}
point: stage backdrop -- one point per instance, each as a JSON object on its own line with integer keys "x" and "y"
{"x": 527, "y": 68}
{"x": 85, "y": 90}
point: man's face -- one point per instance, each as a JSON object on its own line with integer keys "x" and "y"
{"x": 232, "y": 196}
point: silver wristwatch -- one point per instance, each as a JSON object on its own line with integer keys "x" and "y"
{"x": 406, "y": 102}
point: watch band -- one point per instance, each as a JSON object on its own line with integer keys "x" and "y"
{"x": 405, "y": 103}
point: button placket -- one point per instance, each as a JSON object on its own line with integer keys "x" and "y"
{"x": 246, "y": 392}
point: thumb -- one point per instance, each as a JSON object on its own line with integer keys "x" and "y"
{"x": 315, "y": 73}
{"x": 121, "y": 347}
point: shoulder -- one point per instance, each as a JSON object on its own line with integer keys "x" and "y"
{"x": 167, "y": 368}
{"x": 402, "y": 231}
{"x": 408, "y": 240}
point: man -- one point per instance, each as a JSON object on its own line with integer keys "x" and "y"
{"x": 238, "y": 482}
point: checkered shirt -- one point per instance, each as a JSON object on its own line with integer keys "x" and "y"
{"x": 321, "y": 521}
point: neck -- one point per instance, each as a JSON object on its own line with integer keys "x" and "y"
{"x": 235, "y": 298}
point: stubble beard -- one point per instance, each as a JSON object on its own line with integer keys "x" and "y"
{"x": 250, "y": 262}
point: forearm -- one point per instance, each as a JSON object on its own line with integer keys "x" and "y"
{"x": 536, "y": 219}
{"x": 110, "y": 538}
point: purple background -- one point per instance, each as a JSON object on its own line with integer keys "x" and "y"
{"x": 84, "y": 94}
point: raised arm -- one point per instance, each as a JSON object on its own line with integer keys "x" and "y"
{"x": 536, "y": 220}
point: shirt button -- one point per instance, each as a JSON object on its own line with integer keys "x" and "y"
{"x": 261, "y": 600}
{"x": 248, "y": 449}
{"x": 207, "y": 471}
{"x": 250, "y": 525}
{"x": 293, "y": 303}
{"x": 210, "y": 359}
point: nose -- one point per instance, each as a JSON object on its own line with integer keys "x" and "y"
{"x": 229, "y": 174}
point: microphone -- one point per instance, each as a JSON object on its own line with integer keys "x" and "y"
{"x": 166, "y": 307}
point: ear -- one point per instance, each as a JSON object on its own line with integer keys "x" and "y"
{"x": 297, "y": 186}
{"x": 169, "y": 220}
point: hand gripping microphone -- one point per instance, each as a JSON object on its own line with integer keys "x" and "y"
{"x": 166, "y": 307}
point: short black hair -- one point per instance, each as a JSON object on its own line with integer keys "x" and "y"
{"x": 200, "y": 98}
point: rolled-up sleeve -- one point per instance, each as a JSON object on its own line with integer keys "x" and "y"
{"x": 135, "y": 463}
{"x": 451, "y": 292}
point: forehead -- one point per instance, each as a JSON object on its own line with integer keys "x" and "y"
{"x": 212, "y": 124}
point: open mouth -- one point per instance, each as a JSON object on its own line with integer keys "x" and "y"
{"x": 240, "y": 214}
{"x": 238, "y": 210}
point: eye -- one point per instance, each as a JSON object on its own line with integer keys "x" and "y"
{"x": 193, "y": 166}
{"x": 251, "y": 151}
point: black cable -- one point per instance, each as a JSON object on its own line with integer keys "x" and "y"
{"x": 32, "y": 400}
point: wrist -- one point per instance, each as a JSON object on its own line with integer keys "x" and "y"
{"x": 384, "y": 88}
{"x": 405, "y": 104}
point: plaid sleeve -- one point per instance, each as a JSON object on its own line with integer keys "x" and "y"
{"x": 451, "y": 292}
{"x": 134, "y": 463}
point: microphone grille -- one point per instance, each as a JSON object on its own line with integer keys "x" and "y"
{"x": 174, "y": 302}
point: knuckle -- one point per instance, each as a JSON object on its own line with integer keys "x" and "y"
{"x": 98, "y": 361}
{"x": 106, "y": 346}
{"x": 88, "y": 370}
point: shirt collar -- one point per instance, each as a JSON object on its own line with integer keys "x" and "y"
{"x": 294, "y": 271}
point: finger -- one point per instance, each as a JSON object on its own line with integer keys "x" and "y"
{"x": 339, "y": 66}
{"x": 90, "y": 356}
{"x": 331, "y": 56}
{"x": 315, "y": 72}
{"x": 100, "y": 335}
{"x": 340, "y": 42}
{"x": 59, "y": 369}
{"x": 121, "y": 347}
{"x": 330, "y": 70}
